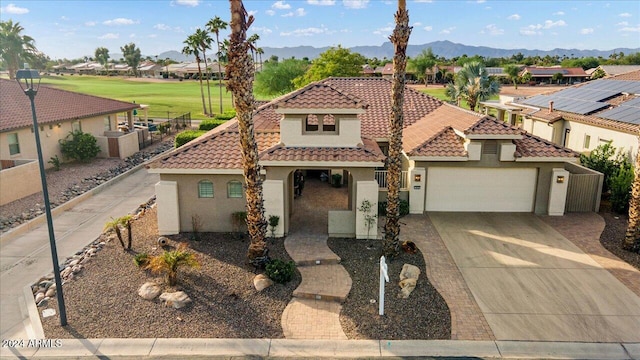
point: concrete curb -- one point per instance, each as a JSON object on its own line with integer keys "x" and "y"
{"x": 163, "y": 347}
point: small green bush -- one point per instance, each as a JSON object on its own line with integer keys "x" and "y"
{"x": 79, "y": 146}
{"x": 225, "y": 116}
{"x": 280, "y": 271}
{"x": 210, "y": 124}
{"x": 141, "y": 259}
{"x": 607, "y": 160}
{"x": 620, "y": 186}
{"x": 186, "y": 136}
{"x": 404, "y": 208}
{"x": 55, "y": 161}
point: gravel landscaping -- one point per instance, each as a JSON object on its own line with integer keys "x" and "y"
{"x": 424, "y": 315}
{"x": 612, "y": 236}
{"x": 102, "y": 299}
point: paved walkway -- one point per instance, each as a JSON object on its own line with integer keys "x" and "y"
{"x": 26, "y": 257}
{"x": 314, "y": 312}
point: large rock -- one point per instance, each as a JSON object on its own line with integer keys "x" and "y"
{"x": 176, "y": 299}
{"x": 149, "y": 290}
{"x": 409, "y": 272}
{"x": 261, "y": 282}
{"x": 407, "y": 286}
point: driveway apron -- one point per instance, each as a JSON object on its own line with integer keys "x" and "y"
{"x": 532, "y": 283}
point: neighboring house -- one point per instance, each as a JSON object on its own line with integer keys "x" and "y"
{"x": 583, "y": 116}
{"x": 613, "y": 70}
{"x": 189, "y": 70}
{"x": 544, "y": 75}
{"x": 149, "y": 69}
{"x": 454, "y": 160}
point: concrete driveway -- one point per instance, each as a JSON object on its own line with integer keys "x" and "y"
{"x": 531, "y": 283}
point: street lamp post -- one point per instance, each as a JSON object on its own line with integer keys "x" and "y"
{"x": 27, "y": 77}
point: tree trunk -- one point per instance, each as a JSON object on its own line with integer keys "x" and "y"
{"x": 129, "y": 235}
{"x": 206, "y": 67}
{"x": 219, "y": 73}
{"x": 240, "y": 72}
{"x": 632, "y": 237}
{"x": 399, "y": 38}
{"x": 204, "y": 105}
{"x": 119, "y": 234}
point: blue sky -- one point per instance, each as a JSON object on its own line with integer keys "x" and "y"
{"x": 74, "y": 29}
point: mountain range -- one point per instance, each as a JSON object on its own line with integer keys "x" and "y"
{"x": 446, "y": 49}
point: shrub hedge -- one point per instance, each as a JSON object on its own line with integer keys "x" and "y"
{"x": 186, "y": 136}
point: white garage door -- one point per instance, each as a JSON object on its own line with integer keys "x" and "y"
{"x": 480, "y": 189}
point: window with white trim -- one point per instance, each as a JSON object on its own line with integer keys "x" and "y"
{"x": 205, "y": 189}
{"x": 76, "y": 126}
{"x": 107, "y": 123}
{"x": 14, "y": 144}
{"x": 587, "y": 141}
{"x": 234, "y": 189}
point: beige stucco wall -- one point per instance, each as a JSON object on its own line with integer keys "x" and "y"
{"x": 128, "y": 144}
{"x": 19, "y": 181}
{"x": 492, "y": 161}
{"x": 215, "y": 213}
{"x": 629, "y": 142}
{"x": 348, "y": 132}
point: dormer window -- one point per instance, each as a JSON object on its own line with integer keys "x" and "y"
{"x": 320, "y": 124}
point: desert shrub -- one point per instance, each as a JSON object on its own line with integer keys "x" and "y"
{"x": 404, "y": 208}
{"x": 79, "y": 146}
{"x": 141, "y": 259}
{"x": 207, "y": 125}
{"x": 55, "y": 161}
{"x": 605, "y": 159}
{"x": 186, "y": 136}
{"x": 169, "y": 262}
{"x": 225, "y": 116}
{"x": 280, "y": 271}
{"x": 620, "y": 186}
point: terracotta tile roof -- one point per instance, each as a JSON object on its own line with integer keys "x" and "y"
{"x": 319, "y": 96}
{"x": 633, "y": 75}
{"x": 544, "y": 114}
{"x": 533, "y": 146}
{"x": 214, "y": 150}
{"x": 491, "y": 126}
{"x": 446, "y": 143}
{"x": 52, "y": 106}
{"x": 601, "y": 122}
{"x": 550, "y": 71}
{"x": 434, "y": 122}
{"x": 366, "y": 152}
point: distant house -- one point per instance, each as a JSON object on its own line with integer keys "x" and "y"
{"x": 189, "y": 70}
{"x": 149, "y": 69}
{"x": 545, "y": 75}
{"x": 613, "y": 70}
{"x": 453, "y": 160}
{"x": 583, "y": 116}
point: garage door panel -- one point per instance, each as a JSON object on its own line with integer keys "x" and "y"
{"x": 481, "y": 189}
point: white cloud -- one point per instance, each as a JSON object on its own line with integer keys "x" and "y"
{"x": 13, "y": 9}
{"x": 625, "y": 15}
{"x": 531, "y": 30}
{"x": 321, "y": 2}
{"x": 300, "y": 12}
{"x": 270, "y": 12}
{"x": 192, "y": 3}
{"x": 623, "y": 23}
{"x": 109, "y": 36}
{"x": 630, "y": 29}
{"x": 383, "y": 31}
{"x": 132, "y": 36}
{"x": 152, "y": 36}
{"x": 355, "y": 4}
{"x": 551, "y": 24}
{"x": 120, "y": 21}
{"x": 416, "y": 24}
{"x": 90, "y": 23}
{"x": 481, "y": 1}
{"x": 252, "y": 12}
{"x": 289, "y": 14}
{"x": 280, "y": 5}
{"x": 514, "y": 17}
{"x": 586, "y": 31}
{"x": 448, "y": 30}
{"x": 64, "y": 18}
{"x": 428, "y": 28}
{"x": 492, "y": 29}
{"x": 262, "y": 29}
{"x": 424, "y": 1}
{"x": 163, "y": 27}
{"x": 308, "y": 31}
{"x": 558, "y": 13}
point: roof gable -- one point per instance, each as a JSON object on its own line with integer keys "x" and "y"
{"x": 318, "y": 96}
{"x": 445, "y": 143}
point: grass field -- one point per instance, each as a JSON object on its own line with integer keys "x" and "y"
{"x": 163, "y": 96}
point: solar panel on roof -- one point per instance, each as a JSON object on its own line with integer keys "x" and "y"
{"x": 623, "y": 113}
{"x": 635, "y": 103}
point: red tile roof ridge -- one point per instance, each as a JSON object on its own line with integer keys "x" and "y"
{"x": 358, "y": 103}
{"x": 487, "y": 118}
{"x": 445, "y": 131}
{"x": 531, "y": 137}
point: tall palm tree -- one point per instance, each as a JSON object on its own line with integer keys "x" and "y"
{"x": 632, "y": 237}
{"x": 473, "y": 85}
{"x": 512, "y": 72}
{"x": 240, "y": 72}
{"x": 192, "y": 48}
{"x": 253, "y": 40}
{"x": 215, "y": 25}
{"x": 14, "y": 47}
{"x": 203, "y": 40}
{"x": 259, "y": 52}
{"x": 399, "y": 38}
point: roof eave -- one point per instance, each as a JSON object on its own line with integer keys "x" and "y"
{"x": 353, "y": 111}
{"x": 494, "y": 137}
{"x": 439, "y": 158}
{"x": 547, "y": 159}
{"x": 194, "y": 171}
{"x": 304, "y": 163}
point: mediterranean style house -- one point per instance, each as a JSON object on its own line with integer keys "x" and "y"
{"x": 581, "y": 117}
{"x": 454, "y": 160}
{"x": 59, "y": 112}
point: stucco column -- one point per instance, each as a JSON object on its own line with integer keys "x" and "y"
{"x": 273, "y": 193}
{"x": 558, "y": 191}
{"x": 417, "y": 188}
{"x": 168, "y": 207}
{"x": 366, "y": 190}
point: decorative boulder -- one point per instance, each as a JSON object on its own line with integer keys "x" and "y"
{"x": 261, "y": 282}
{"x": 149, "y": 290}
{"x": 176, "y": 299}
{"x": 409, "y": 272}
{"x": 407, "y": 286}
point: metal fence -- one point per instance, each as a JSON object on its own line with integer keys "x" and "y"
{"x": 584, "y": 189}
{"x": 160, "y": 129}
{"x": 381, "y": 178}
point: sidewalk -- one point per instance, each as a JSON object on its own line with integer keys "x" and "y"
{"x": 26, "y": 257}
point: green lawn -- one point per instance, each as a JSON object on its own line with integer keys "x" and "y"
{"x": 437, "y": 91}
{"x": 175, "y": 97}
